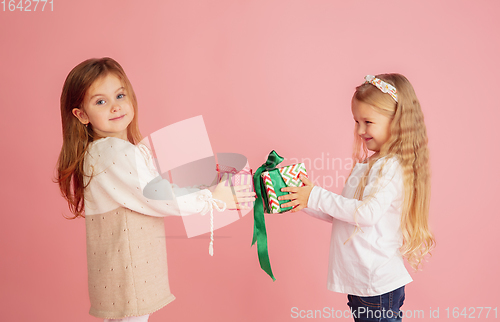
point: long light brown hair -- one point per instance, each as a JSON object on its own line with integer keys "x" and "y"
{"x": 408, "y": 143}
{"x": 77, "y": 136}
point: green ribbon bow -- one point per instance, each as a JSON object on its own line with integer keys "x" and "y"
{"x": 259, "y": 224}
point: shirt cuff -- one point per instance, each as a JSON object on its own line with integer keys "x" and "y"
{"x": 312, "y": 202}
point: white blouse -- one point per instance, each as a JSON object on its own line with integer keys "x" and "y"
{"x": 369, "y": 263}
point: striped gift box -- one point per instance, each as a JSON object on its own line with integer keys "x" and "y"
{"x": 287, "y": 177}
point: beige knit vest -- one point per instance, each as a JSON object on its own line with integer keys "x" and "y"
{"x": 127, "y": 264}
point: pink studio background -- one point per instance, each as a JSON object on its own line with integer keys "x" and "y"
{"x": 265, "y": 75}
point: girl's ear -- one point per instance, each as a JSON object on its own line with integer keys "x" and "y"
{"x": 81, "y": 115}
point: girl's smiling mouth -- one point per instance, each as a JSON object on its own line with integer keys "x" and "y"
{"x": 118, "y": 118}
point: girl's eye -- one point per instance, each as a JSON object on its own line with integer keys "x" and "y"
{"x": 120, "y": 96}
{"x": 100, "y": 102}
{"x": 368, "y": 122}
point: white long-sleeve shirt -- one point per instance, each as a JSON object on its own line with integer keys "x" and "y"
{"x": 124, "y": 173}
{"x": 369, "y": 263}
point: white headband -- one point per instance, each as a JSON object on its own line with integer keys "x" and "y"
{"x": 382, "y": 86}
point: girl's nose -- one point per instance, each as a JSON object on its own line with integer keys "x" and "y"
{"x": 115, "y": 107}
{"x": 361, "y": 130}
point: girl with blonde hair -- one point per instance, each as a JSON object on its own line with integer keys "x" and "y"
{"x": 382, "y": 215}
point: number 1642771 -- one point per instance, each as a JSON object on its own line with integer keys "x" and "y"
{"x": 27, "y": 5}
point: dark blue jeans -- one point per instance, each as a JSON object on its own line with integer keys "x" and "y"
{"x": 380, "y": 308}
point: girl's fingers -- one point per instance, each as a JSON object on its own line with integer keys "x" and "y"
{"x": 289, "y": 189}
{"x": 295, "y": 204}
{"x": 249, "y": 193}
{"x": 251, "y": 197}
{"x": 289, "y": 204}
{"x": 305, "y": 180}
{"x": 284, "y": 205}
{"x": 247, "y": 199}
{"x": 290, "y": 196}
{"x": 243, "y": 187}
{"x": 238, "y": 189}
{"x": 246, "y": 196}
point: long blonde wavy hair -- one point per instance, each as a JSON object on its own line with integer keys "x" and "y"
{"x": 76, "y": 136}
{"x": 407, "y": 142}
